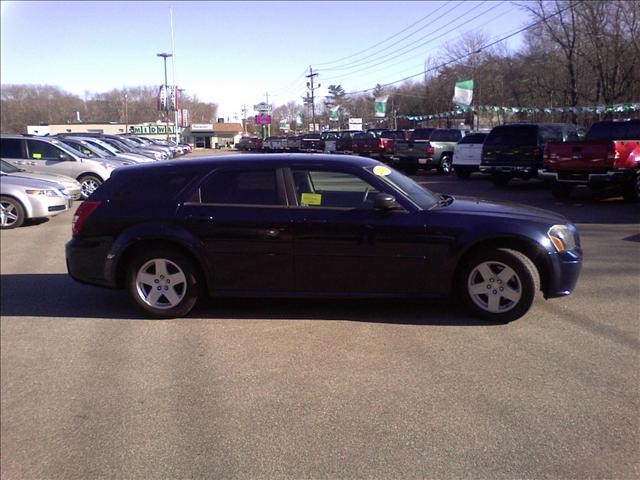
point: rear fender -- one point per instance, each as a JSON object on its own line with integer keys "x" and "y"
{"x": 153, "y": 234}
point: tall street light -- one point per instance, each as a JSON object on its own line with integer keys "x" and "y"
{"x": 166, "y": 105}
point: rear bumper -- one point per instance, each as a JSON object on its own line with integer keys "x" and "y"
{"x": 586, "y": 178}
{"x": 87, "y": 261}
{"x": 515, "y": 170}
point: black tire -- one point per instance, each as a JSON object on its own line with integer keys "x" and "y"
{"x": 521, "y": 283}
{"x": 632, "y": 189}
{"x": 89, "y": 183}
{"x": 500, "y": 179}
{"x": 561, "y": 190}
{"x": 173, "y": 300}
{"x": 445, "y": 165}
{"x": 462, "y": 173}
{"x": 11, "y": 213}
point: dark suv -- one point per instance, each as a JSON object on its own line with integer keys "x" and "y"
{"x": 516, "y": 150}
{"x": 312, "y": 225}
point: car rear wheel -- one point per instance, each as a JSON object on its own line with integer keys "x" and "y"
{"x": 89, "y": 184}
{"x": 499, "y": 285}
{"x": 163, "y": 283}
{"x": 445, "y": 165}
{"x": 11, "y": 213}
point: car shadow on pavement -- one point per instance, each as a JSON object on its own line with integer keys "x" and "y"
{"x": 57, "y": 295}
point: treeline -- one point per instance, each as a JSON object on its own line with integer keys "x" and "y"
{"x": 587, "y": 55}
{"x": 23, "y": 105}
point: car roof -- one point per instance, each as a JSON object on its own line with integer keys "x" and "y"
{"x": 273, "y": 160}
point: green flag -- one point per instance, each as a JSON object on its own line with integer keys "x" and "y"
{"x": 380, "y": 107}
{"x": 463, "y": 93}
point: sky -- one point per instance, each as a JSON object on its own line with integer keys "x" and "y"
{"x": 234, "y": 53}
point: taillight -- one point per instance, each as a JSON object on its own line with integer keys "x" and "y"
{"x": 381, "y": 144}
{"x": 82, "y": 213}
{"x": 429, "y": 150}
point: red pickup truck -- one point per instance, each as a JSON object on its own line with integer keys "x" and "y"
{"x": 607, "y": 158}
{"x": 378, "y": 144}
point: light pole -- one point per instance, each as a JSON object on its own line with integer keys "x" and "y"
{"x": 166, "y": 105}
{"x": 126, "y": 115}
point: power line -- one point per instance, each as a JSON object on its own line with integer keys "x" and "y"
{"x": 391, "y": 37}
{"x": 378, "y": 52}
{"x": 528, "y": 27}
{"x": 395, "y": 57}
{"x": 352, "y": 74}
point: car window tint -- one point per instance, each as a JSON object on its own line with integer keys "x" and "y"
{"x": 240, "y": 187}
{"x": 332, "y": 189}
{"x": 42, "y": 150}
{"x": 146, "y": 189}
{"x": 421, "y": 134}
{"x": 445, "y": 136}
{"x": 513, "y": 136}
{"x": 10, "y": 148}
{"x": 551, "y": 133}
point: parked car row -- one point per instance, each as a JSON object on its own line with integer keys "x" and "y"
{"x": 607, "y": 158}
{"x": 40, "y": 175}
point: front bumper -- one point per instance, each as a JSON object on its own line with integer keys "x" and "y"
{"x": 564, "y": 272}
{"x": 40, "y": 207}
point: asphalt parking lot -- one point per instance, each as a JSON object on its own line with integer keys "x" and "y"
{"x": 324, "y": 389}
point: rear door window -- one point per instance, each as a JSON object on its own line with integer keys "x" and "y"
{"x": 37, "y": 150}
{"x": 11, "y": 148}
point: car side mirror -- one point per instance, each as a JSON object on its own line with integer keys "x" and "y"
{"x": 384, "y": 201}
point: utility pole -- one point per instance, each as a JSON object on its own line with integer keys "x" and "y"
{"x": 166, "y": 105}
{"x": 126, "y": 115}
{"x": 244, "y": 118}
{"x": 268, "y": 124}
{"x": 312, "y": 88}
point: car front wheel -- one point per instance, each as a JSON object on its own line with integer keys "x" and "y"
{"x": 11, "y": 213}
{"x": 163, "y": 283}
{"x": 499, "y": 285}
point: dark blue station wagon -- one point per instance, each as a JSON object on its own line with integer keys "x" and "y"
{"x": 312, "y": 225}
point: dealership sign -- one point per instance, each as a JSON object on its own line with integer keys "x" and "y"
{"x": 202, "y": 127}
{"x": 151, "y": 129}
{"x": 263, "y": 119}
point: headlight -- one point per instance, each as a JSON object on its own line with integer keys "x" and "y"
{"x": 44, "y": 193}
{"x": 562, "y": 238}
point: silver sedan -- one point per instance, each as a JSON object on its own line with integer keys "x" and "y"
{"x": 22, "y": 198}
{"x": 70, "y": 185}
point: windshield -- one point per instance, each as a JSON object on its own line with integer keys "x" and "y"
{"x": 109, "y": 150}
{"x": 420, "y": 195}
{"x": 9, "y": 168}
{"x": 69, "y": 149}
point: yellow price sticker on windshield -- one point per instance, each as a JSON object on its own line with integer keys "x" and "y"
{"x": 311, "y": 199}
{"x": 381, "y": 171}
{"x": 36, "y": 155}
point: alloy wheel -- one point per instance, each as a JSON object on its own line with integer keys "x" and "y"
{"x": 494, "y": 287}
{"x": 160, "y": 283}
{"x": 8, "y": 214}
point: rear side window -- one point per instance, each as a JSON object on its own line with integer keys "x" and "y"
{"x": 240, "y": 187}
{"x": 10, "y": 148}
{"x": 513, "y": 136}
{"x": 473, "y": 138}
{"x": 147, "y": 188}
{"x": 445, "y": 136}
